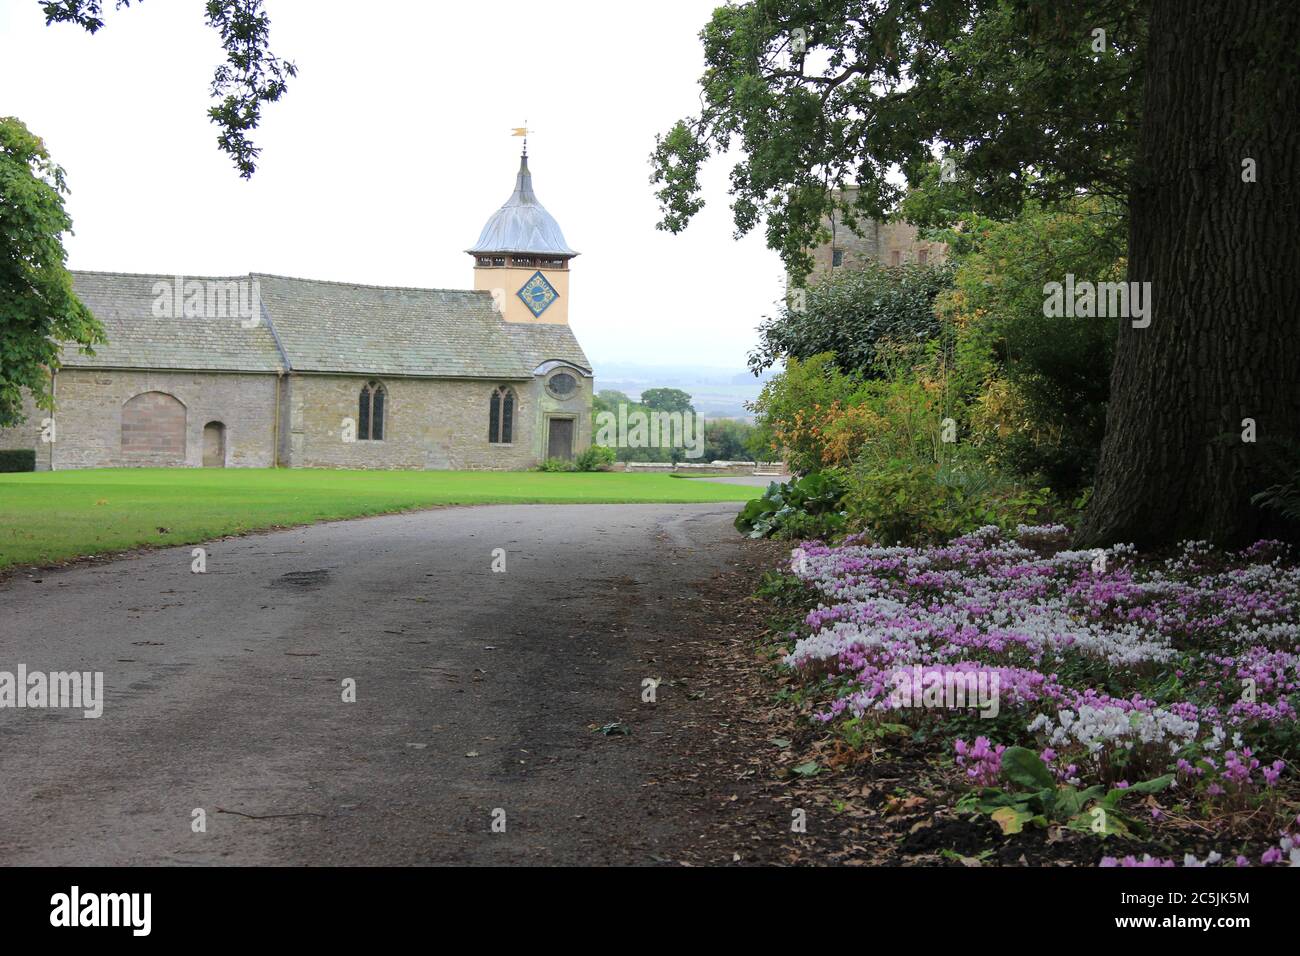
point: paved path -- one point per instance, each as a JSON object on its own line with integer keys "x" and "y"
{"x": 757, "y": 481}
{"x": 475, "y": 691}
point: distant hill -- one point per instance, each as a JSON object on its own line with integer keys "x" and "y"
{"x": 717, "y": 392}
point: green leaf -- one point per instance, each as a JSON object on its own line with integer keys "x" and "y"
{"x": 1011, "y": 819}
{"x": 998, "y": 800}
{"x": 1153, "y": 786}
{"x": 1021, "y": 765}
{"x": 809, "y": 769}
{"x": 1099, "y": 820}
{"x": 1070, "y": 801}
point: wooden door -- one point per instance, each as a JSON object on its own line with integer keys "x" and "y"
{"x": 559, "y": 443}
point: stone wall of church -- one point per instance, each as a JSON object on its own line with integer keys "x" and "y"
{"x": 135, "y": 418}
{"x": 428, "y": 424}
{"x": 576, "y": 407}
{"x": 28, "y": 434}
{"x": 92, "y": 408}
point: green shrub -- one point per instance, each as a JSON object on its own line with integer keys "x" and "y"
{"x": 849, "y": 312}
{"x": 908, "y": 503}
{"x": 1038, "y": 384}
{"x": 557, "y": 464}
{"x": 18, "y": 459}
{"x": 595, "y": 458}
{"x": 727, "y": 439}
{"x": 805, "y": 526}
{"x": 807, "y": 507}
{"x": 794, "y": 405}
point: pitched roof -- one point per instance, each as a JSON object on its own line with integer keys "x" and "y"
{"x": 522, "y": 224}
{"x": 309, "y": 325}
{"x": 139, "y": 338}
{"x": 544, "y": 343}
{"x": 343, "y": 327}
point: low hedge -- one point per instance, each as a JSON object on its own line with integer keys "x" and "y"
{"x": 17, "y": 459}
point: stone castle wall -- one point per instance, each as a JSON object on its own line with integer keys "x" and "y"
{"x": 869, "y": 241}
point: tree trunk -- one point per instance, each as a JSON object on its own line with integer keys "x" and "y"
{"x": 1223, "y": 259}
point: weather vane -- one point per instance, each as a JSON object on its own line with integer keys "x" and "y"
{"x": 523, "y": 131}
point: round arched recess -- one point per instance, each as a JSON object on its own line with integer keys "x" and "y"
{"x": 153, "y": 429}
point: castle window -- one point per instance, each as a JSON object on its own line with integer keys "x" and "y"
{"x": 922, "y": 255}
{"x": 837, "y": 257}
{"x": 501, "y": 416}
{"x": 370, "y": 413}
{"x": 895, "y": 258}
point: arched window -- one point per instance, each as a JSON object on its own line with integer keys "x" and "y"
{"x": 501, "y": 416}
{"x": 370, "y": 413}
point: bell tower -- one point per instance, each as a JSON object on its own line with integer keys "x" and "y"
{"x": 522, "y": 259}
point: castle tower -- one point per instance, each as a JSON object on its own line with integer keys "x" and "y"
{"x": 522, "y": 259}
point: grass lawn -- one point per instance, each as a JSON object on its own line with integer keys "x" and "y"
{"x": 49, "y": 516}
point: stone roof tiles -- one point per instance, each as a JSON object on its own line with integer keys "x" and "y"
{"x": 308, "y": 325}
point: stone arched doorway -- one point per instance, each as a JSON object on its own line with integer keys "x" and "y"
{"x": 214, "y": 445}
{"x": 153, "y": 430}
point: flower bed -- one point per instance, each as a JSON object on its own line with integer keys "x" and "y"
{"x": 1112, "y": 668}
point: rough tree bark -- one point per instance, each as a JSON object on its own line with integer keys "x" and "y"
{"x": 1223, "y": 260}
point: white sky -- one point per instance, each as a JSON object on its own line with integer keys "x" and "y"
{"x": 391, "y": 149}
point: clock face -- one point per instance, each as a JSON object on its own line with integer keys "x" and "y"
{"x": 538, "y": 294}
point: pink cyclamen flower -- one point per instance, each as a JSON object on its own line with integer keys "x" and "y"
{"x": 1271, "y": 774}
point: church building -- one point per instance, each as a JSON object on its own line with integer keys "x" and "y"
{"x": 262, "y": 370}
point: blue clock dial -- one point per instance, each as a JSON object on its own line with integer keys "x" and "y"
{"x": 538, "y": 294}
